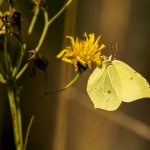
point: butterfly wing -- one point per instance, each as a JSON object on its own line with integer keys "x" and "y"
{"x": 134, "y": 86}
{"x": 104, "y": 88}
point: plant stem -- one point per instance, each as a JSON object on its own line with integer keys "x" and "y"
{"x": 40, "y": 102}
{"x": 47, "y": 23}
{"x": 2, "y": 73}
{"x": 68, "y": 85}
{"x": 11, "y": 6}
{"x": 31, "y": 27}
{"x": 19, "y": 120}
{"x": 32, "y": 119}
{"x": 5, "y": 53}
{"x": 22, "y": 70}
{"x": 13, "y": 109}
{"x": 62, "y": 9}
{"x": 44, "y": 31}
{"x": 36, "y": 109}
{"x": 16, "y": 68}
{"x": 23, "y": 46}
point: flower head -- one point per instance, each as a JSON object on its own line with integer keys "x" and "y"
{"x": 82, "y": 52}
{"x": 10, "y": 23}
{"x": 2, "y": 26}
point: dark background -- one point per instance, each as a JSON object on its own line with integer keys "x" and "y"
{"x": 68, "y": 120}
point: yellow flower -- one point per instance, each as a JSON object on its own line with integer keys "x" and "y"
{"x": 2, "y": 29}
{"x": 82, "y": 52}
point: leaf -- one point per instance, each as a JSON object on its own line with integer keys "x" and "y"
{"x": 115, "y": 82}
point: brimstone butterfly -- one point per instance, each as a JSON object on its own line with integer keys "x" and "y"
{"x": 114, "y": 82}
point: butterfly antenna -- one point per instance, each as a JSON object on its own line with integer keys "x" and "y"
{"x": 114, "y": 52}
{"x": 108, "y": 50}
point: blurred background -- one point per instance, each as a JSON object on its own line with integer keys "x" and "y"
{"x": 68, "y": 120}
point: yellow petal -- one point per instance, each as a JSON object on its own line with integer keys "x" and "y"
{"x": 85, "y": 36}
{"x": 89, "y": 64}
{"x": 61, "y": 53}
{"x": 72, "y": 41}
{"x": 77, "y": 43}
{"x": 66, "y": 59}
{"x": 97, "y": 40}
{"x": 84, "y": 52}
{"x": 83, "y": 63}
{"x": 7, "y": 13}
{"x": 75, "y": 65}
{"x": 101, "y": 47}
{"x": 92, "y": 37}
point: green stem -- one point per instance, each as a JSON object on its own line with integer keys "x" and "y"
{"x": 31, "y": 27}
{"x": 32, "y": 119}
{"x": 23, "y": 47}
{"x": 22, "y": 70}
{"x": 63, "y": 8}
{"x": 13, "y": 109}
{"x": 16, "y": 68}
{"x": 40, "y": 102}
{"x": 8, "y": 62}
{"x": 19, "y": 120}
{"x": 44, "y": 31}
{"x": 11, "y": 6}
{"x": 2, "y": 80}
{"x": 2, "y": 73}
{"x": 38, "y": 46}
{"x": 47, "y": 23}
{"x": 5, "y": 53}
{"x": 68, "y": 85}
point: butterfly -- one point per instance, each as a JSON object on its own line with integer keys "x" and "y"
{"x": 114, "y": 82}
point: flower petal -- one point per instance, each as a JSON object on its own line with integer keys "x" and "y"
{"x": 84, "y": 52}
{"x": 66, "y": 59}
{"x": 97, "y": 40}
{"x": 101, "y": 47}
{"x": 85, "y": 36}
{"x": 61, "y": 53}
{"x": 92, "y": 37}
{"x": 72, "y": 41}
{"x": 81, "y": 61}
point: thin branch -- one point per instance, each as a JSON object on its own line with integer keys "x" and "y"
{"x": 47, "y": 23}
{"x": 23, "y": 46}
{"x": 5, "y": 53}
{"x": 42, "y": 99}
{"x": 13, "y": 109}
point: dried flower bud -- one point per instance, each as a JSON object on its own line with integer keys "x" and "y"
{"x": 39, "y": 4}
{"x": 38, "y": 61}
{"x": 12, "y": 22}
{"x": 16, "y": 22}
